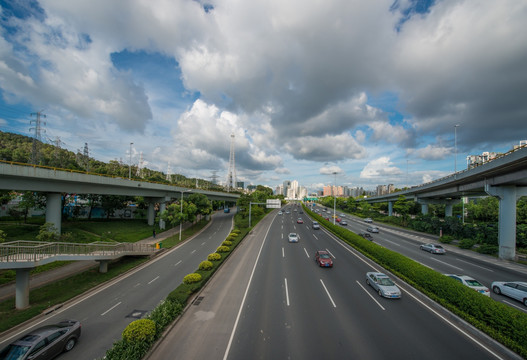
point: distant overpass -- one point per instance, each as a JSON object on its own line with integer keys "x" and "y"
{"x": 504, "y": 178}
{"x": 54, "y": 182}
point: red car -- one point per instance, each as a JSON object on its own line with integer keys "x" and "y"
{"x": 323, "y": 258}
{"x": 300, "y": 221}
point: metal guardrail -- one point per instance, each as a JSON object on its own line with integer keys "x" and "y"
{"x": 23, "y": 250}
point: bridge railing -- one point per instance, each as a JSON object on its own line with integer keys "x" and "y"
{"x": 23, "y": 250}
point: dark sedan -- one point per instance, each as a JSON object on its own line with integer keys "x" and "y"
{"x": 44, "y": 343}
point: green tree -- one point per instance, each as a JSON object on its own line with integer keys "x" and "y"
{"x": 402, "y": 207}
{"x": 31, "y": 200}
{"x": 48, "y": 232}
{"x": 110, "y": 203}
{"x": 203, "y": 205}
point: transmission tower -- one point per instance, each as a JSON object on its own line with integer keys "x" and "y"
{"x": 214, "y": 177}
{"x": 169, "y": 175}
{"x": 231, "y": 174}
{"x": 140, "y": 166}
{"x": 36, "y": 138}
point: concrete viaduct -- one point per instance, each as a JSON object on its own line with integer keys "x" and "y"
{"x": 504, "y": 178}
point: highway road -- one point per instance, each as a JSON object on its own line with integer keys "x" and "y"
{"x": 106, "y": 311}
{"x": 272, "y": 301}
{"x": 407, "y": 243}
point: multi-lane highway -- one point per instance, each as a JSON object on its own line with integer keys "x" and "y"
{"x": 271, "y": 301}
{"x": 456, "y": 261}
{"x": 106, "y": 311}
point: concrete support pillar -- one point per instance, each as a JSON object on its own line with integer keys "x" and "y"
{"x": 390, "y": 208}
{"x": 448, "y": 209}
{"x": 424, "y": 209}
{"x": 162, "y": 207}
{"x": 507, "y": 196}
{"x": 54, "y": 210}
{"x": 103, "y": 266}
{"x": 22, "y": 288}
{"x": 151, "y": 213}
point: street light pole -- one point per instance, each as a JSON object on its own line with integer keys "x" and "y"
{"x": 130, "y": 165}
{"x": 335, "y": 198}
{"x": 455, "y": 147}
{"x": 181, "y": 211}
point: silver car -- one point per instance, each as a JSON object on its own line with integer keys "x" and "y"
{"x": 471, "y": 283}
{"x": 433, "y": 249}
{"x": 373, "y": 229}
{"x": 514, "y": 289}
{"x": 383, "y": 285}
{"x": 45, "y": 342}
{"x": 293, "y": 238}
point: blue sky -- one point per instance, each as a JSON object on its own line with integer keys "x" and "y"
{"x": 371, "y": 90}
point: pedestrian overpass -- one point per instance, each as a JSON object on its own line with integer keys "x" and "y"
{"x": 23, "y": 255}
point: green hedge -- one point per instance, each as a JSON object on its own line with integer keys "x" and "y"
{"x": 504, "y": 323}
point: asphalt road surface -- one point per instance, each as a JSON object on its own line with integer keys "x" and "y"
{"x": 270, "y": 300}
{"x": 106, "y": 311}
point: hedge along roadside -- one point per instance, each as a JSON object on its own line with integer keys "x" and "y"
{"x": 172, "y": 307}
{"x": 503, "y": 323}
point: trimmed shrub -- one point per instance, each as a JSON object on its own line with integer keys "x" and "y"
{"x": 446, "y": 239}
{"x": 467, "y": 243}
{"x": 205, "y": 265}
{"x": 164, "y": 314}
{"x": 140, "y": 331}
{"x": 222, "y": 249}
{"x": 488, "y": 249}
{"x": 192, "y": 278}
{"x": 214, "y": 257}
{"x": 227, "y": 243}
{"x": 231, "y": 237}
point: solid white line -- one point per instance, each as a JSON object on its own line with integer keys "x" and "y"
{"x": 446, "y": 263}
{"x": 367, "y": 292}
{"x": 179, "y": 262}
{"x": 516, "y": 306}
{"x": 306, "y": 253}
{"x": 453, "y": 325}
{"x": 466, "y": 262}
{"x": 154, "y": 279}
{"x": 244, "y": 297}
{"x": 286, "y": 292}
{"x": 327, "y": 292}
{"x": 110, "y": 309}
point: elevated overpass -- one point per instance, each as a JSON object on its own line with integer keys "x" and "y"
{"x": 53, "y": 182}
{"x": 504, "y": 178}
{"x": 23, "y": 255}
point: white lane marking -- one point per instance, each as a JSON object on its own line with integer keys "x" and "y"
{"x": 327, "y": 292}
{"x": 136, "y": 285}
{"x": 193, "y": 251}
{"x": 315, "y": 236}
{"x": 516, "y": 306}
{"x": 426, "y": 265}
{"x": 154, "y": 279}
{"x": 453, "y": 325}
{"x": 481, "y": 267}
{"x": 282, "y": 235}
{"x": 294, "y": 226}
{"x": 286, "y": 292}
{"x": 367, "y": 292}
{"x": 203, "y": 243}
{"x": 179, "y": 262}
{"x": 426, "y": 306}
{"x": 391, "y": 242}
{"x": 110, "y": 309}
{"x": 442, "y": 262}
{"x": 245, "y": 297}
{"x": 283, "y": 253}
{"x": 306, "y": 253}
{"x": 333, "y": 256}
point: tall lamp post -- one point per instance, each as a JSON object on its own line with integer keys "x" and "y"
{"x": 130, "y": 164}
{"x": 335, "y": 198}
{"x": 455, "y": 147}
{"x": 181, "y": 211}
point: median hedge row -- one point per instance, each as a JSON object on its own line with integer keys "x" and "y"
{"x": 503, "y": 323}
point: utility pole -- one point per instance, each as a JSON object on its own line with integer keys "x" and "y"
{"x": 36, "y": 138}
{"x": 130, "y": 164}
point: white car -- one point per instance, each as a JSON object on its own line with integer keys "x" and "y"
{"x": 433, "y": 248}
{"x": 293, "y": 238}
{"x": 514, "y": 289}
{"x": 368, "y": 220}
{"x": 471, "y": 283}
{"x": 280, "y": 212}
{"x": 373, "y": 229}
